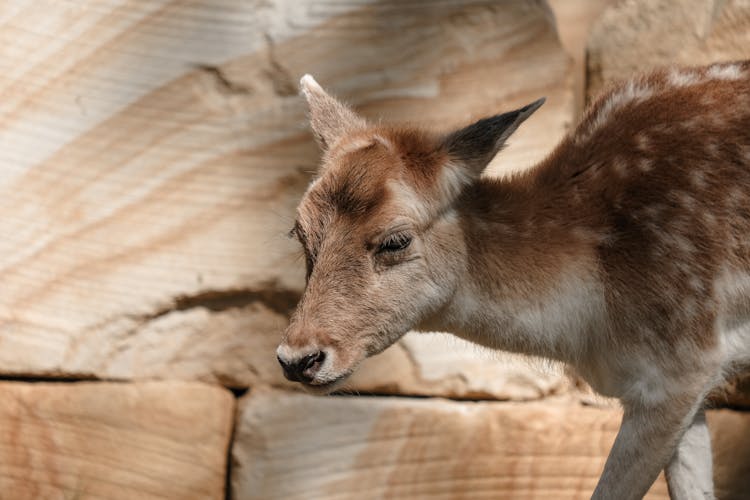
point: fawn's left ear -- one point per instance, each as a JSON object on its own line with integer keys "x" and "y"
{"x": 476, "y": 145}
{"x": 329, "y": 118}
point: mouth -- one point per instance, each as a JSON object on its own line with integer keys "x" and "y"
{"x": 325, "y": 387}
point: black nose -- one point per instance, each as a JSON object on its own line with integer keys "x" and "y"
{"x": 304, "y": 369}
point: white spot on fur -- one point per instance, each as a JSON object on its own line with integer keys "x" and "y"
{"x": 698, "y": 178}
{"x": 695, "y": 123}
{"x": 642, "y": 141}
{"x": 687, "y": 201}
{"x": 682, "y": 268}
{"x": 709, "y": 219}
{"x": 645, "y": 164}
{"x": 620, "y": 166}
{"x": 695, "y": 284}
{"x": 633, "y": 92}
{"x": 690, "y": 307}
{"x": 681, "y": 243}
{"x": 725, "y": 72}
{"x": 653, "y": 211}
{"x": 712, "y": 148}
{"x": 683, "y": 78}
{"x": 735, "y": 197}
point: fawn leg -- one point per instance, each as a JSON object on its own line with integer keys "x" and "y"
{"x": 646, "y": 441}
{"x": 690, "y": 471}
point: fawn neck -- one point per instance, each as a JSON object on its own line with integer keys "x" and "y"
{"x": 530, "y": 284}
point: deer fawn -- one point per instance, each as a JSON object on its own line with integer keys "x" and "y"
{"x": 624, "y": 254}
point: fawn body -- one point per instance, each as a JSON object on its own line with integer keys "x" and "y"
{"x": 625, "y": 254}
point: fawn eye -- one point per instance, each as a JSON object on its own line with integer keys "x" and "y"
{"x": 395, "y": 243}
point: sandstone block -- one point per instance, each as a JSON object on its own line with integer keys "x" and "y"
{"x": 114, "y": 441}
{"x": 299, "y": 446}
{"x": 634, "y": 36}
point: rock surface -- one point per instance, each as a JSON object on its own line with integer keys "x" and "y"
{"x": 152, "y": 158}
{"x": 114, "y": 441}
{"x": 298, "y": 446}
{"x": 637, "y": 35}
{"x": 434, "y": 364}
{"x": 574, "y": 18}
{"x": 730, "y": 440}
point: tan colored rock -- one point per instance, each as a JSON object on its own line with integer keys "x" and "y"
{"x": 135, "y": 178}
{"x": 735, "y": 393}
{"x": 114, "y": 441}
{"x": 637, "y": 35}
{"x": 154, "y": 152}
{"x": 298, "y": 446}
{"x": 730, "y": 436}
{"x": 436, "y": 364}
{"x": 574, "y": 19}
{"x": 234, "y": 347}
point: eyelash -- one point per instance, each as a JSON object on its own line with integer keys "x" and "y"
{"x": 392, "y": 245}
{"x": 395, "y": 243}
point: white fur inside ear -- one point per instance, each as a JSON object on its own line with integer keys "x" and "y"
{"x": 453, "y": 179}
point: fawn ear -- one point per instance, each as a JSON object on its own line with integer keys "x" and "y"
{"x": 476, "y": 145}
{"x": 329, "y": 118}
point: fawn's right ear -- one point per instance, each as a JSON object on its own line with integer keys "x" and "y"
{"x": 329, "y": 118}
{"x": 475, "y": 146}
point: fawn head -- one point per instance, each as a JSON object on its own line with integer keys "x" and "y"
{"x": 382, "y": 239}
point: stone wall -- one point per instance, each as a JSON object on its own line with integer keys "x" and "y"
{"x": 152, "y": 156}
